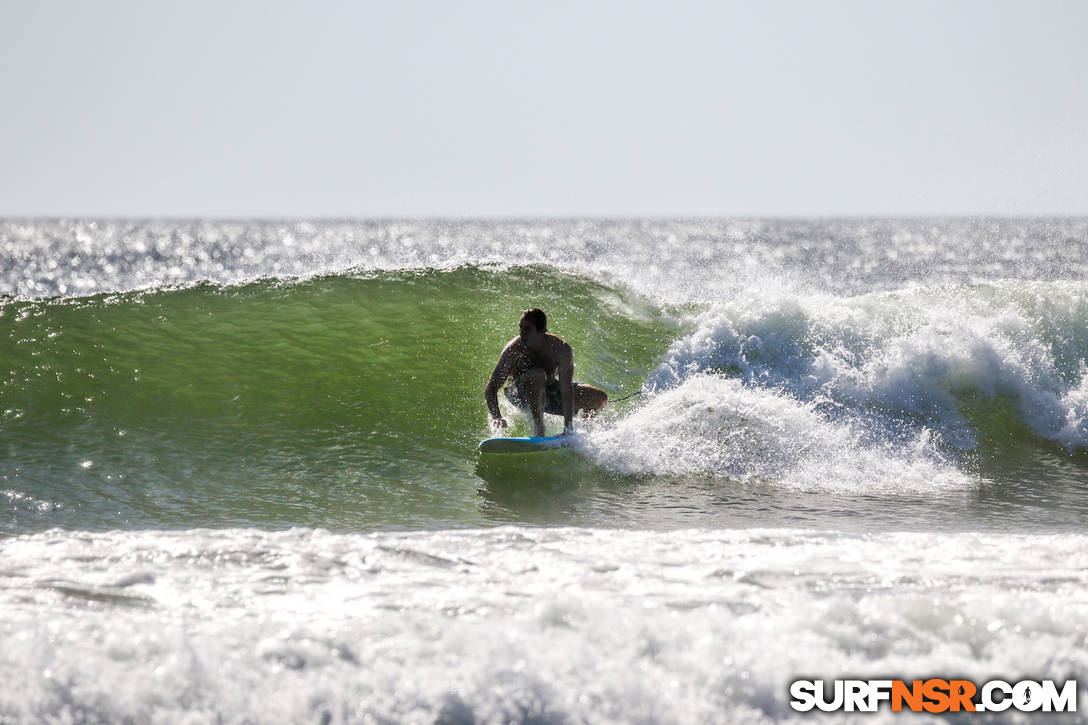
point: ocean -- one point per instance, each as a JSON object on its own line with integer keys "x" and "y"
{"x": 239, "y": 480}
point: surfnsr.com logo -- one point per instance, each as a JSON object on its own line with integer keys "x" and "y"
{"x": 933, "y": 695}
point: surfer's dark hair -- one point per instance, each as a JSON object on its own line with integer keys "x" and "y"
{"x": 537, "y": 317}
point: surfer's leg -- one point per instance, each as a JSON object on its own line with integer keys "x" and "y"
{"x": 589, "y": 399}
{"x": 532, "y": 383}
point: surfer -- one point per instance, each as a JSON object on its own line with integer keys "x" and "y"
{"x": 541, "y": 366}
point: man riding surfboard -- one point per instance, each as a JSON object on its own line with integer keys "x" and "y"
{"x": 541, "y": 366}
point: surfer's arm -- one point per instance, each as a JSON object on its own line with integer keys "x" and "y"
{"x": 566, "y": 388}
{"x": 491, "y": 391}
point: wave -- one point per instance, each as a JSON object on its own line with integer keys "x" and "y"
{"x": 273, "y": 399}
{"x": 300, "y": 354}
{"x": 920, "y": 357}
{"x": 283, "y": 394}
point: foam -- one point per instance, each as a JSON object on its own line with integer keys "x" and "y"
{"x": 516, "y": 624}
{"x": 905, "y": 363}
{"x": 713, "y": 425}
{"x": 1072, "y": 426}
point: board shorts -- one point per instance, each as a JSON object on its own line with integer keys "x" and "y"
{"x": 553, "y": 397}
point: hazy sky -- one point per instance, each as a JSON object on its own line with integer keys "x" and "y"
{"x": 392, "y": 109}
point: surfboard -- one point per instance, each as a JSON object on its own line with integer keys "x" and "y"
{"x": 523, "y": 445}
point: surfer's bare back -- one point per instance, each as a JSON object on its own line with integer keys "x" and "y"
{"x": 541, "y": 366}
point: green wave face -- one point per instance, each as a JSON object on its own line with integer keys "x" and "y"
{"x": 343, "y": 400}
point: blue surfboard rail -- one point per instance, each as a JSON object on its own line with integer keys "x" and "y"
{"x": 523, "y": 445}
